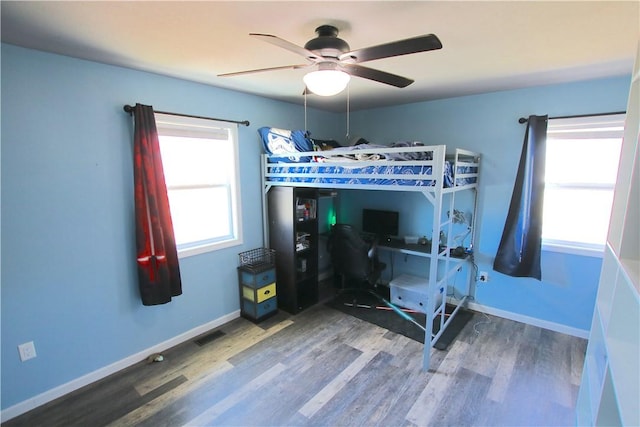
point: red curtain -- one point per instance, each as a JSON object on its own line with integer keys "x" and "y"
{"x": 157, "y": 256}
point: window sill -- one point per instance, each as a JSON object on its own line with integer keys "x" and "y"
{"x": 567, "y": 248}
{"x": 210, "y": 247}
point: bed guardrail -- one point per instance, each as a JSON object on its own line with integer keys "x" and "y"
{"x": 419, "y": 169}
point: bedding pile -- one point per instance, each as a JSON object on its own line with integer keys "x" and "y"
{"x": 344, "y": 164}
{"x": 283, "y": 142}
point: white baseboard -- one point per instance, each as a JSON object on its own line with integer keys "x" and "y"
{"x": 54, "y": 393}
{"x": 552, "y": 326}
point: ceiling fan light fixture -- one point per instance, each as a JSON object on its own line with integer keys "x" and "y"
{"x": 326, "y": 82}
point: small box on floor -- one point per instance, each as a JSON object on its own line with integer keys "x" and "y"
{"x": 411, "y": 292}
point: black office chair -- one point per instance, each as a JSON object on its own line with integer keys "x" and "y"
{"x": 356, "y": 261}
{"x": 353, "y": 259}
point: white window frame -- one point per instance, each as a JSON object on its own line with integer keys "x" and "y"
{"x": 193, "y": 127}
{"x": 583, "y": 127}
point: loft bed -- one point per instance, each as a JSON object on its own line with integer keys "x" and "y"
{"x": 425, "y": 169}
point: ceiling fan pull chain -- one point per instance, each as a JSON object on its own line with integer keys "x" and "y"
{"x": 305, "y": 111}
{"x": 347, "y": 135}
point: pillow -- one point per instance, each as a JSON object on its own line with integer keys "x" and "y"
{"x": 282, "y": 141}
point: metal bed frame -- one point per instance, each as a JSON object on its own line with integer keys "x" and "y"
{"x": 441, "y": 263}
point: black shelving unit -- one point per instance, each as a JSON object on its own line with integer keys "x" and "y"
{"x": 293, "y": 233}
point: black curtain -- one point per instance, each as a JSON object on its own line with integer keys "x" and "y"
{"x": 519, "y": 251}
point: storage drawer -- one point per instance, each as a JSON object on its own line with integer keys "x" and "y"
{"x": 411, "y": 292}
{"x": 259, "y": 295}
{"x": 257, "y": 311}
{"x": 257, "y": 280}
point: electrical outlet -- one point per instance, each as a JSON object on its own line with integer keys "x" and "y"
{"x": 27, "y": 351}
{"x": 483, "y": 276}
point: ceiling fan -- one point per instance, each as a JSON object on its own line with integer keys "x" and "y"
{"x": 330, "y": 56}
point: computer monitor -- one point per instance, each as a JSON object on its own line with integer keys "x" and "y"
{"x": 381, "y": 223}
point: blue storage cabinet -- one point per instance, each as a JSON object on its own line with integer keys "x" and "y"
{"x": 257, "y": 284}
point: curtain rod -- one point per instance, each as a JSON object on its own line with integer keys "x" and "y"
{"x": 129, "y": 109}
{"x": 522, "y": 120}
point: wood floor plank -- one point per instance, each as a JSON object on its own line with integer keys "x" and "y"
{"x": 406, "y": 355}
{"x": 427, "y": 403}
{"x": 393, "y": 398}
{"x": 337, "y": 384}
{"x": 486, "y": 363}
{"x": 409, "y": 383}
{"x": 506, "y": 338}
{"x": 297, "y": 393}
{"x": 202, "y": 367}
{"x": 312, "y": 328}
{"x": 354, "y": 403}
{"x": 225, "y": 346}
{"x": 292, "y": 389}
{"x": 208, "y": 417}
{"x": 500, "y": 380}
{"x": 462, "y": 401}
{"x": 153, "y": 406}
{"x": 577, "y": 349}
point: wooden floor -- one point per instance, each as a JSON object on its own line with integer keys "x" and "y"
{"x": 325, "y": 368}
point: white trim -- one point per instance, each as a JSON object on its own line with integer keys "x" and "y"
{"x": 603, "y": 130}
{"x": 545, "y": 324}
{"x": 54, "y": 393}
{"x": 594, "y": 251}
{"x": 209, "y": 247}
{"x": 211, "y": 130}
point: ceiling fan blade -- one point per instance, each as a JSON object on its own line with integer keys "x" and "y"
{"x": 376, "y": 75}
{"x": 286, "y": 45}
{"x": 259, "y": 70}
{"x": 397, "y": 48}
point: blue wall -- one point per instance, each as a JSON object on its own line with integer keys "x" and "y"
{"x": 488, "y": 124}
{"x": 68, "y": 271}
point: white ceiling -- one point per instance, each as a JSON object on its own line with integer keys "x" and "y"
{"x": 487, "y": 45}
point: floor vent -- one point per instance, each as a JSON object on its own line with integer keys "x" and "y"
{"x": 206, "y": 339}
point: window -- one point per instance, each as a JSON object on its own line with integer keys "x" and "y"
{"x": 581, "y": 168}
{"x": 200, "y": 160}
